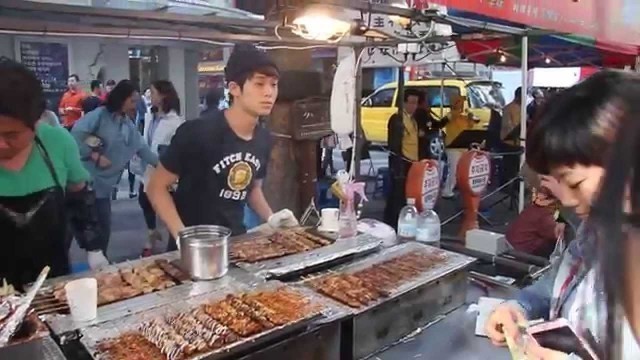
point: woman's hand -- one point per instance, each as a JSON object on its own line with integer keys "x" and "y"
{"x": 534, "y": 351}
{"x": 504, "y": 320}
{"x": 559, "y": 230}
{"x": 100, "y": 160}
{"x": 550, "y": 183}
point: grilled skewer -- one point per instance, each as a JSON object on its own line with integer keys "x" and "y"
{"x": 251, "y": 312}
{"x": 208, "y": 322}
{"x": 240, "y": 323}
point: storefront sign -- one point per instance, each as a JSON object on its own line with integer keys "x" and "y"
{"x": 392, "y": 56}
{"x": 479, "y": 172}
{"x": 423, "y": 184}
{"x": 614, "y": 21}
{"x": 50, "y": 63}
{"x": 473, "y": 173}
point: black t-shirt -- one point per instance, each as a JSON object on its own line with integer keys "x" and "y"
{"x": 91, "y": 103}
{"x": 217, "y": 170}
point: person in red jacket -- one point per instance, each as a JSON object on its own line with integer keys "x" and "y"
{"x": 70, "y": 108}
{"x": 537, "y": 229}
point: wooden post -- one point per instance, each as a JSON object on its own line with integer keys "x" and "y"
{"x": 291, "y": 176}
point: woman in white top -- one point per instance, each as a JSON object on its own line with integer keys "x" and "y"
{"x": 159, "y": 127}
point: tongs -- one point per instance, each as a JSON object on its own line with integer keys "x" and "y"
{"x": 15, "y": 320}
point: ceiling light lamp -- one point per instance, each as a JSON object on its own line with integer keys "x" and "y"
{"x": 503, "y": 58}
{"x": 400, "y": 20}
{"x": 547, "y": 60}
{"x": 321, "y": 23}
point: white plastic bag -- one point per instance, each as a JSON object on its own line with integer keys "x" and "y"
{"x": 343, "y": 106}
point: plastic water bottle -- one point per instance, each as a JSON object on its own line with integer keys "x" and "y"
{"x": 408, "y": 221}
{"x": 428, "y": 228}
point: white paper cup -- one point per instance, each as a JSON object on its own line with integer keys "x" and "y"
{"x": 82, "y": 296}
{"x": 330, "y": 219}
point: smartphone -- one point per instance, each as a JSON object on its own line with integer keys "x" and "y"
{"x": 559, "y": 335}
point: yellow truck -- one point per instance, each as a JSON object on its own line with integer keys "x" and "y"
{"x": 378, "y": 107}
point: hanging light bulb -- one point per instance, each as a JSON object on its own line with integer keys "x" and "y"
{"x": 503, "y": 58}
{"x": 320, "y": 23}
{"x": 547, "y": 60}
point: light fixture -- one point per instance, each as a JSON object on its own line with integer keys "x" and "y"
{"x": 503, "y": 58}
{"x": 400, "y": 20}
{"x": 547, "y": 60}
{"x": 322, "y": 23}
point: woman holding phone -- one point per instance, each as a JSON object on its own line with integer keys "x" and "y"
{"x": 570, "y": 141}
{"x": 159, "y": 127}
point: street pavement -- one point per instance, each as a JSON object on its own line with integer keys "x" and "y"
{"x": 129, "y": 233}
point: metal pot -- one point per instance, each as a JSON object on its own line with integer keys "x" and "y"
{"x": 204, "y": 251}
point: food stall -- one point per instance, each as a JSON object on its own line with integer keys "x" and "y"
{"x": 294, "y": 294}
{"x": 338, "y": 306}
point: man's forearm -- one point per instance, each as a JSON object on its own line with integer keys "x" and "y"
{"x": 259, "y": 203}
{"x": 165, "y": 207}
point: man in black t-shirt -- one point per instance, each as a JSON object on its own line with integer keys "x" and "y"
{"x": 93, "y": 101}
{"x": 221, "y": 160}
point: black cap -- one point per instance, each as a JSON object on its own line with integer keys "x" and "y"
{"x": 246, "y": 59}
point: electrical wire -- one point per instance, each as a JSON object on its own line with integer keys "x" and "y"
{"x": 432, "y": 27}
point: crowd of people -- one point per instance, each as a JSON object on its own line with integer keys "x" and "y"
{"x": 582, "y": 155}
{"x": 57, "y": 178}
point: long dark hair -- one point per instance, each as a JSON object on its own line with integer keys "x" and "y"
{"x": 120, "y": 93}
{"x": 577, "y": 125}
{"x": 622, "y": 175}
{"x": 170, "y": 99}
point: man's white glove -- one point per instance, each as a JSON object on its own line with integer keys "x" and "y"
{"x": 283, "y": 219}
{"x": 96, "y": 259}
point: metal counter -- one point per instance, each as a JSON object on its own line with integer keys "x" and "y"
{"x": 411, "y": 305}
{"x": 450, "y": 337}
{"x": 305, "y": 262}
{"x": 63, "y": 326}
{"x": 93, "y": 335}
{"x": 40, "y": 349}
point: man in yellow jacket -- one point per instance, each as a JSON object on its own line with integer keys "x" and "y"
{"x": 456, "y": 122}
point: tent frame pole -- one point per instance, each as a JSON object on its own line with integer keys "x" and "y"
{"x": 523, "y": 114}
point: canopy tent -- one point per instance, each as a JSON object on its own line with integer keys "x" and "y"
{"x": 607, "y": 21}
{"x": 544, "y": 50}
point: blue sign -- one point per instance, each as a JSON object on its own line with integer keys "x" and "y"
{"x": 50, "y": 62}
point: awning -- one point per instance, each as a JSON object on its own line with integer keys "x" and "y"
{"x": 544, "y": 50}
{"x": 607, "y": 21}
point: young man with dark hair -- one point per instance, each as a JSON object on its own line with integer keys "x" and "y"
{"x": 95, "y": 99}
{"x": 220, "y": 163}
{"x": 403, "y": 134}
{"x": 70, "y": 108}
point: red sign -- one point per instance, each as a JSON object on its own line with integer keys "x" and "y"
{"x": 423, "y": 184}
{"x": 473, "y": 173}
{"x": 614, "y": 21}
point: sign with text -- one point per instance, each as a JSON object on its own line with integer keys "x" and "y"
{"x": 391, "y": 56}
{"x": 473, "y": 174}
{"x": 423, "y": 184}
{"x": 614, "y": 21}
{"x": 50, "y": 62}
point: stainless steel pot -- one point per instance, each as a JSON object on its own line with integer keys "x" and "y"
{"x": 204, "y": 251}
